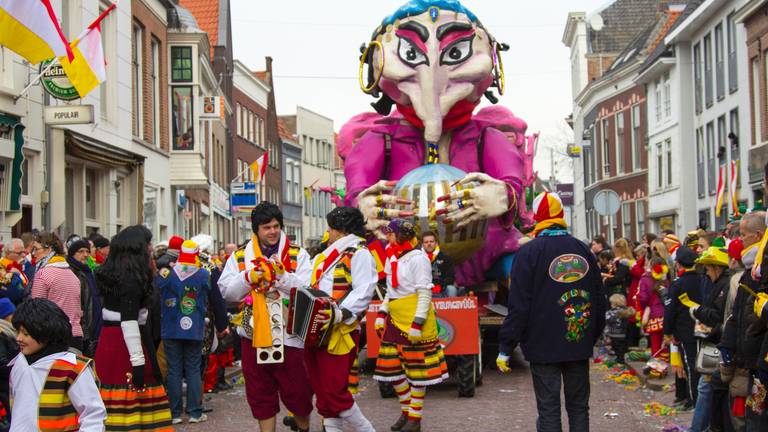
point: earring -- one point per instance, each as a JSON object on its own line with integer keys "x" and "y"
{"x": 498, "y": 67}
{"x": 363, "y": 60}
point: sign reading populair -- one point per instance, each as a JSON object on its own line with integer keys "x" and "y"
{"x": 68, "y": 114}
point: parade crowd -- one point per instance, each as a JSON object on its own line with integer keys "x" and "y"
{"x": 101, "y": 334}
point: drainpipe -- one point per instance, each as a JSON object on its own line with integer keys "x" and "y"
{"x": 47, "y": 220}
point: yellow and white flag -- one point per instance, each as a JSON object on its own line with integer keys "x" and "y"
{"x": 30, "y": 29}
{"x": 259, "y": 167}
{"x": 88, "y": 68}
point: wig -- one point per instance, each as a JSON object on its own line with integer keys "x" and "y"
{"x": 44, "y": 321}
{"x": 264, "y": 213}
{"x": 128, "y": 262}
{"x": 348, "y": 220}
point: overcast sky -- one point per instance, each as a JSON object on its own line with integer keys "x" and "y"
{"x": 315, "y": 47}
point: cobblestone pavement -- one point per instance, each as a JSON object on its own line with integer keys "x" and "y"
{"x": 502, "y": 403}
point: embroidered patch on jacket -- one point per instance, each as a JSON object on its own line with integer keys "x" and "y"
{"x": 568, "y": 268}
{"x": 577, "y": 318}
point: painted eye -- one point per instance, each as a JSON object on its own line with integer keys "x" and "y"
{"x": 411, "y": 54}
{"x": 457, "y": 52}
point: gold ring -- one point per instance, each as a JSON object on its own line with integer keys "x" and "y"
{"x": 368, "y": 90}
{"x": 379, "y": 200}
{"x": 467, "y": 193}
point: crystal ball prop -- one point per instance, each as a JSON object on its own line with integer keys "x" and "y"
{"x": 423, "y": 186}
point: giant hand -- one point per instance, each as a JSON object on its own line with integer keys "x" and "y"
{"x": 481, "y": 197}
{"x": 373, "y": 203}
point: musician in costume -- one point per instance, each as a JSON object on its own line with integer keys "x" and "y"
{"x": 433, "y": 60}
{"x": 410, "y": 356}
{"x": 346, "y": 271}
{"x": 265, "y": 270}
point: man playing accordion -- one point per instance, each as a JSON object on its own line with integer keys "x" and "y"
{"x": 346, "y": 271}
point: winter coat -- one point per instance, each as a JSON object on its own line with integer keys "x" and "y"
{"x": 743, "y": 333}
{"x": 620, "y": 280}
{"x": 556, "y": 300}
{"x": 710, "y": 312}
{"x": 677, "y": 318}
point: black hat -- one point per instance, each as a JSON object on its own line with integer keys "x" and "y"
{"x": 99, "y": 241}
{"x": 75, "y": 243}
{"x": 686, "y": 257}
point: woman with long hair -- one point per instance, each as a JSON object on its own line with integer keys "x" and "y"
{"x": 619, "y": 280}
{"x": 125, "y": 362}
{"x": 659, "y": 249}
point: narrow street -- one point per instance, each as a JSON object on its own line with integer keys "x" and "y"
{"x": 502, "y": 403}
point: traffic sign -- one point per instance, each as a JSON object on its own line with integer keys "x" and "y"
{"x": 606, "y": 202}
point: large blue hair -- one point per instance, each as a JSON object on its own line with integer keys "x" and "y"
{"x": 418, "y": 7}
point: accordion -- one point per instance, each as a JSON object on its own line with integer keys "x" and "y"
{"x": 304, "y": 317}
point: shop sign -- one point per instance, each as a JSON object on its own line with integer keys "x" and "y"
{"x": 56, "y": 82}
{"x": 68, "y": 114}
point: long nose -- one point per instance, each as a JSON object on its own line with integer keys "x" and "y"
{"x": 432, "y": 84}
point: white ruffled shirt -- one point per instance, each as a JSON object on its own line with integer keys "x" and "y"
{"x": 414, "y": 272}
{"x": 27, "y": 383}
{"x": 234, "y": 287}
{"x": 364, "y": 279}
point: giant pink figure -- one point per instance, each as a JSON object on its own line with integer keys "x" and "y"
{"x": 434, "y": 61}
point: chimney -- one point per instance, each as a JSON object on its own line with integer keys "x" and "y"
{"x": 269, "y": 69}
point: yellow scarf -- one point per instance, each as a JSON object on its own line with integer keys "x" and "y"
{"x": 548, "y": 223}
{"x": 756, "y": 271}
{"x": 262, "y": 335}
{"x": 56, "y": 259}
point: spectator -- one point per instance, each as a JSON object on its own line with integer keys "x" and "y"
{"x": 556, "y": 313}
{"x": 618, "y": 280}
{"x": 168, "y": 259}
{"x": 101, "y": 244}
{"x": 636, "y": 272}
{"x": 598, "y": 244}
{"x": 659, "y": 249}
{"x": 616, "y": 321}
{"x": 442, "y": 267}
{"x": 678, "y": 324}
{"x": 56, "y": 282}
{"x": 672, "y": 243}
{"x": 43, "y": 336}
{"x": 8, "y": 350}
{"x": 712, "y": 404}
{"x": 648, "y": 238}
{"x": 651, "y": 294}
{"x": 78, "y": 251}
{"x": 29, "y": 265}
{"x": 604, "y": 259}
{"x": 185, "y": 291}
{"x": 743, "y": 335}
{"x": 13, "y": 259}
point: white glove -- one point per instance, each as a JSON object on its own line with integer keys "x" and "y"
{"x": 132, "y": 338}
{"x": 483, "y": 197}
{"x": 373, "y": 201}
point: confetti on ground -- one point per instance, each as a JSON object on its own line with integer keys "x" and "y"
{"x": 657, "y": 409}
{"x": 638, "y": 356}
{"x": 621, "y": 374}
{"x": 611, "y": 415}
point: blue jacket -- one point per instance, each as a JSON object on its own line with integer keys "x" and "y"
{"x": 183, "y": 305}
{"x": 556, "y": 300}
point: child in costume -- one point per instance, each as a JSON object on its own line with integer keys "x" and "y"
{"x": 45, "y": 367}
{"x": 410, "y": 356}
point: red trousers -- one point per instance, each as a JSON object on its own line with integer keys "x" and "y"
{"x": 264, "y": 383}
{"x": 656, "y": 340}
{"x": 329, "y": 376}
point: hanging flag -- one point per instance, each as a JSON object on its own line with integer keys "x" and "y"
{"x": 259, "y": 167}
{"x": 87, "y": 70}
{"x": 733, "y": 189}
{"x": 30, "y": 29}
{"x": 307, "y": 193}
{"x": 720, "y": 191}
